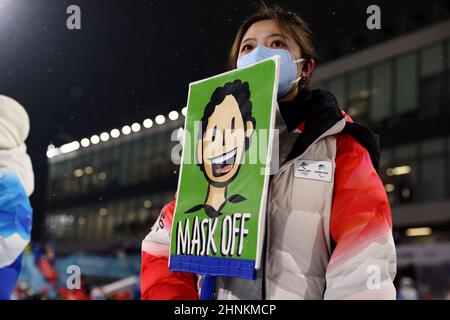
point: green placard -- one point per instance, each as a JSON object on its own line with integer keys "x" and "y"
{"x": 222, "y": 190}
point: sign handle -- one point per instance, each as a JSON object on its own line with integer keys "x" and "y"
{"x": 208, "y": 287}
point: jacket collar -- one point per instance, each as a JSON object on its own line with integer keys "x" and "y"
{"x": 309, "y": 109}
{"x": 314, "y": 112}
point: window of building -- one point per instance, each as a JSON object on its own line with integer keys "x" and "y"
{"x": 76, "y": 179}
{"x": 386, "y": 158}
{"x": 404, "y": 173}
{"x": 406, "y": 84}
{"x": 148, "y": 159}
{"x": 130, "y": 216}
{"x": 432, "y": 60}
{"x": 337, "y": 87}
{"x": 112, "y": 165}
{"x": 51, "y": 181}
{"x": 90, "y": 224}
{"x": 386, "y": 161}
{"x": 448, "y": 55}
{"x": 432, "y": 80}
{"x": 380, "y": 93}
{"x": 136, "y": 162}
{"x": 433, "y": 170}
{"x": 133, "y": 168}
{"x": 65, "y": 180}
{"x": 69, "y": 224}
{"x": 101, "y": 215}
{"x": 398, "y": 171}
{"x": 109, "y": 223}
{"x": 145, "y": 205}
{"x": 143, "y": 158}
{"x": 85, "y": 170}
{"x": 447, "y": 99}
{"x": 125, "y": 150}
{"x": 162, "y": 155}
{"x": 358, "y": 99}
{"x": 448, "y": 168}
{"x": 119, "y": 220}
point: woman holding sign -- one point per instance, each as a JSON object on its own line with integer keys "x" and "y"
{"x": 329, "y": 233}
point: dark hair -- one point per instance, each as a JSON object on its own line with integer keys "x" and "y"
{"x": 289, "y": 23}
{"x": 241, "y": 92}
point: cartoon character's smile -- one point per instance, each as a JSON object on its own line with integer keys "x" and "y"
{"x": 226, "y": 127}
{"x": 224, "y": 163}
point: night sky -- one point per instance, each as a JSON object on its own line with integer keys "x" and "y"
{"x": 134, "y": 59}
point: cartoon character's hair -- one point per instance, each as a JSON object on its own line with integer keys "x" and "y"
{"x": 241, "y": 92}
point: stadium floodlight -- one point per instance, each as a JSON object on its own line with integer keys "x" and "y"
{"x": 95, "y": 139}
{"x": 69, "y": 147}
{"x": 136, "y": 127}
{"x": 160, "y": 119}
{"x": 85, "y": 142}
{"x": 115, "y": 133}
{"x": 148, "y": 123}
{"x": 126, "y": 130}
{"x": 173, "y": 115}
{"x": 52, "y": 152}
{"x": 184, "y": 111}
{"x": 104, "y": 136}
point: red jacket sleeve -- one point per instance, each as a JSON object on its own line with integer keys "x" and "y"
{"x": 363, "y": 262}
{"x": 157, "y": 282}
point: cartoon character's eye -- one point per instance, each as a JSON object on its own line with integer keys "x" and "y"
{"x": 213, "y": 137}
{"x": 232, "y": 124}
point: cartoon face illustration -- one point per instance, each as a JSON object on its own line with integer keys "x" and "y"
{"x": 226, "y": 128}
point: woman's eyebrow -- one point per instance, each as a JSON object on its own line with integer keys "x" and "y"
{"x": 276, "y": 35}
{"x": 269, "y": 36}
{"x": 248, "y": 39}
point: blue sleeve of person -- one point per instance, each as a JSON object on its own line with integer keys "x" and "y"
{"x": 15, "y": 209}
{"x": 15, "y": 229}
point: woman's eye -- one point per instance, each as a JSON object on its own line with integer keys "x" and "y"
{"x": 278, "y": 44}
{"x": 246, "y": 47}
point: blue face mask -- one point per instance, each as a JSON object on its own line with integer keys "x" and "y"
{"x": 288, "y": 66}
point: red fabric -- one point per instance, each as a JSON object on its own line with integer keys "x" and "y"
{"x": 157, "y": 282}
{"x": 360, "y": 211}
{"x": 68, "y": 294}
{"x": 122, "y": 296}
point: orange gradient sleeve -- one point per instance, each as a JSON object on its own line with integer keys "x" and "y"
{"x": 363, "y": 261}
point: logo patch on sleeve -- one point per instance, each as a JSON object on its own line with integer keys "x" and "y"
{"x": 314, "y": 170}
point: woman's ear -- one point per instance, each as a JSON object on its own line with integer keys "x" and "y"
{"x": 307, "y": 68}
{"x": 249, "y": 129}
